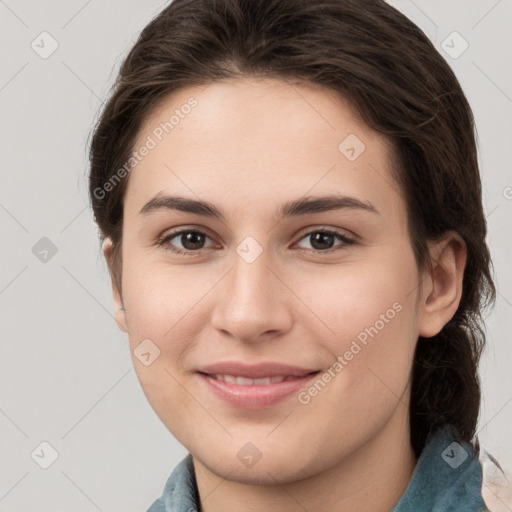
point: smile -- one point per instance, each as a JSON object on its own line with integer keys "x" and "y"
{"x": 254, "y": 393}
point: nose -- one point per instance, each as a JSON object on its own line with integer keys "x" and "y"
{"x": 253, "y": 301}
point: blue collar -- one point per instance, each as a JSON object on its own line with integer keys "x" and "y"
{"x": 447, "y": 478}
{"x": 180, "y": 491}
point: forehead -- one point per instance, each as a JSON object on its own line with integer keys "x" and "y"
{"x": 253, "y": 106}
{"x": 259, "y": 139}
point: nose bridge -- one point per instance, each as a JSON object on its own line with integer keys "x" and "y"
{"x": 250, "y": 277}
{"x": 251, "y": 302}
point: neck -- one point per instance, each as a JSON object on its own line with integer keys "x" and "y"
{"x": 370, "y": 479}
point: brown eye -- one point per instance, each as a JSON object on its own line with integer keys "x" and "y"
{"x": 191, "y": 240}
{"x": 322, "y": 240}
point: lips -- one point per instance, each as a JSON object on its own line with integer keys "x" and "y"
{"x": 255, "y": 371}
{"x": 254, "y": 386}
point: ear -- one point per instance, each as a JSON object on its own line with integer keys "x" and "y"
{"x": 120, "y": 314}
{"x": 443, "y": 286}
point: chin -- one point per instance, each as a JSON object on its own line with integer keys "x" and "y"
{"x": 261, "y": 462}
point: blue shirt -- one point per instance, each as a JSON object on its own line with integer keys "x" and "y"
{"x": 447, "y": 478}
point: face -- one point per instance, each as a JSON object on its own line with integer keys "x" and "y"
{"x": 316, "y": 301}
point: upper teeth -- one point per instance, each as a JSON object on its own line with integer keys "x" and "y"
{"x": 244, "y": 381}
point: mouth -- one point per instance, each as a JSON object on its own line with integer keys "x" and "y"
{"x": 245, "y": 381}
{"x": 258, "y": 392}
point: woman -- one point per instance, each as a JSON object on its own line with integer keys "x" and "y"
{"x": 290, "y": 202}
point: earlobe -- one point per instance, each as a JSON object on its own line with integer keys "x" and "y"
{"x": 442, "y": 298}
{"x": 120, "y": 314}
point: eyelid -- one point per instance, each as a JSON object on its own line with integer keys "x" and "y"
{"x": 345, "y": 233}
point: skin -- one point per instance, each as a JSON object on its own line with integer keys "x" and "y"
{"x": 248, "y": 146}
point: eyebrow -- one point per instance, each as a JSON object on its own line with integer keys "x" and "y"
{"x": 302, "y": 206}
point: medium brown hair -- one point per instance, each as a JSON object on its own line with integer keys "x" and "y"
{"x": 401, "y": 86}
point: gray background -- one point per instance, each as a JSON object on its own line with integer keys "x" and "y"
{"x": 66, "y": 373}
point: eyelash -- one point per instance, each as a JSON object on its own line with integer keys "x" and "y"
{"x": 165, "y": 239}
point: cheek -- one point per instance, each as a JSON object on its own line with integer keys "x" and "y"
{"x": 159, "y": 299}
{"x": 375, "y": 299}
{"x": 372, "y": 329}
{"x": 159, "y": 308}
